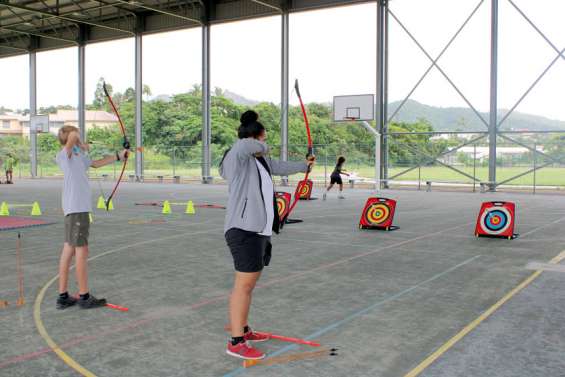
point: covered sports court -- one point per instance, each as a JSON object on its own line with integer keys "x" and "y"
{"x": 427, "y": 298}
{"x": 394, "y": 303}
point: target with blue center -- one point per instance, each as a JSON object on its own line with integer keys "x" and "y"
{"x": 495, "y": 220}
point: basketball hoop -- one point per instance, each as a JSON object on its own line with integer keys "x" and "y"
{"x": 351, "y": 119}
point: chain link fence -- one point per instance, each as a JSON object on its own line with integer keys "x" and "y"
{"x": 524, "y": 161}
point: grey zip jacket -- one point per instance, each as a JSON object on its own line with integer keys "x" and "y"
{"x": 246, "y": 207}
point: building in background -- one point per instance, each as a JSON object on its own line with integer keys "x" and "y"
{"x": 18, "y": 125}
{"x": 12, "y": 124}
{"x": 95, "y": 118}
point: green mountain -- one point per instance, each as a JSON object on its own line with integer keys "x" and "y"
{"x": 464, "y": 119}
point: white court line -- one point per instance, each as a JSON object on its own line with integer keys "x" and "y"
{"x": 543, "y": 226}
{"x": 545, "y": 267}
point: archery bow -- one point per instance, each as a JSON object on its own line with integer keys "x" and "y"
{"x": 125, "y": 144}
{"x": 310, "y": 151}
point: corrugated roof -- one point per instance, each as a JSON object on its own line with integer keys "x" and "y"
{"x": 41, "y": 25}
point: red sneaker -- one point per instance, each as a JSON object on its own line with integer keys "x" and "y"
{"x": 244, "y": 351}
{"x": 254, "y": 337}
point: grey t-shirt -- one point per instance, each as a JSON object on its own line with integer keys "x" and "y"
{"x": 76, "y": 189}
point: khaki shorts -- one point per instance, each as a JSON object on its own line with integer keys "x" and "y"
{"x": 77, "y": 226}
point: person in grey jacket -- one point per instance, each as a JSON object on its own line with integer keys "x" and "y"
{"x": 251, "y": 218}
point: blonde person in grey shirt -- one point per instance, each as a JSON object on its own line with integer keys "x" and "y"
{"x": 74, "y": 162}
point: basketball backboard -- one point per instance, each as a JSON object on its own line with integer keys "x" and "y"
{"x": 39, "y": 123}
{"x": 354, "y": 107}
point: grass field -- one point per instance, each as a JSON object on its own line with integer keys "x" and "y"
{"x": 549, "y": 176}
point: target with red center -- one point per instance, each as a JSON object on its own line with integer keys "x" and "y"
{"x": 378, "y": 214}
{"x": 496, "y": 219}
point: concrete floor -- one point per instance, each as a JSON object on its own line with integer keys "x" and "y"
{"x": 387, "y": 300}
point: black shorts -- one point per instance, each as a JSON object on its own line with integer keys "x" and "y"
{"x": 336, "y": 179}
{"x": 250, "y": 251}
{"x": 77, "y": 229}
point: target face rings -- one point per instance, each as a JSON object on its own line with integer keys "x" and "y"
{"x": 495, "y": 220}
{"x": 281, "y": 206}
{"x": 304, "y": 190}
{"x": 377, "y": 213}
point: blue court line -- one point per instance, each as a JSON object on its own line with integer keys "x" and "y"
{"x": 359, "y": 313}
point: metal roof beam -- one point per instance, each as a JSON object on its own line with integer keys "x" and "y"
{"x": 265, "y": 4}
{"x": 75, "y": 12}
{"x": 71, "y": 13}
{"x": 139, "y": 4}
{"x": 12, "y": 47}
{"x": 40, "y": 35}
{"x": 66, "y": 18}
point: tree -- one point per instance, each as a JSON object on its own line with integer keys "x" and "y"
{"x": 4, "y": 110}
{"x": 99, "y": 102}
{"x": 555, "y": 147}
{"x": 146, "y": 91}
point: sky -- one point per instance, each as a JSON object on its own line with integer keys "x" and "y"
{"x": 332, "y": 52}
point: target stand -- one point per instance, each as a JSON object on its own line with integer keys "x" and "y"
{"x": 305, "y": 190}
{"x": 496, "y": 220}
{"x": 378, "y": 214}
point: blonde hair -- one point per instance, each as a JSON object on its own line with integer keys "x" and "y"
{"x": 64, "y": 132}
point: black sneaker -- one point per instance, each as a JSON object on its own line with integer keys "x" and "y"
{"x": 91, "y": 302}
{"x": 63, "y": 303}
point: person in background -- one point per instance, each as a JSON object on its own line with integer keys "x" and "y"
{"x": 335, "y": 177}
{"x": 9, "y": 164}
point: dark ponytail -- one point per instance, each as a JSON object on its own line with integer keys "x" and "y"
{"x": 250, "y": 125}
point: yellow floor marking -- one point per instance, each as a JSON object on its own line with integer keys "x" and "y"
{"x": 39, "y": 324}
{"x": 471, "y": 326}
{"x": 37, "y": 306}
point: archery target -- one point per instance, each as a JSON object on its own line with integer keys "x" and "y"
{"x": 305, "y": 189}
{"x": 281, "y": 206}
{"x": 283, "y": 203}
{"x": 496, "y": 219}
{"x": 377, "y": 213}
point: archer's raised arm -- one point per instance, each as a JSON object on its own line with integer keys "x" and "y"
{"x": 246, "y": 148}
{"x": 284, "y": 168}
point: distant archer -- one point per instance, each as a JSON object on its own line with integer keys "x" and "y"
{"x": 335, "y": 177}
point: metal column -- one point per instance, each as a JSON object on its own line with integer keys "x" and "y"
{"x": 33, "y": 111}
{"x": 493, "y": 122}
{"x": 377, "y": 136}
{"x": 381, "y": 88}
{"x": 81, "y": 91}
{"x": 284, "y": 89}
{"x": 384, "y": 145}
{"x": 138, "y": 108}
{"x": 206, "y": 123}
